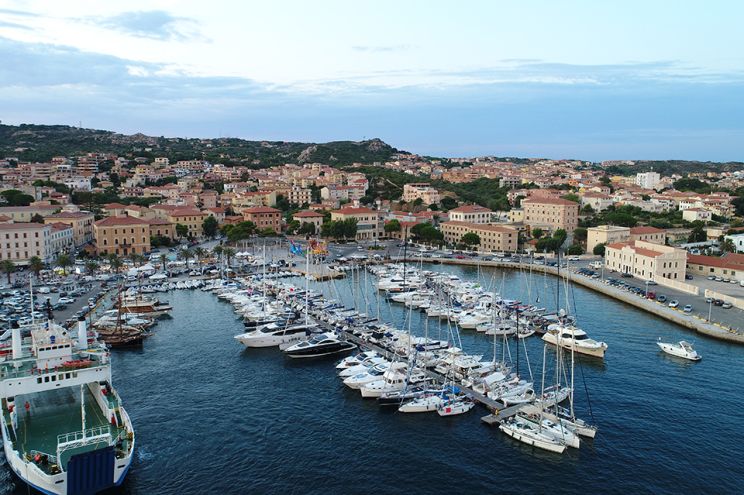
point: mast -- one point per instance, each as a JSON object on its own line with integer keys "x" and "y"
{"x": 82, "y": 407}
{"x": 307, "y": 279}
{"x": 31, "y": 292}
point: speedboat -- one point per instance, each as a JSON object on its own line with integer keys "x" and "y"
{"x": 362, "y": 368}
{"x": 355, "y": 360}
{"x": 570, "y": 337}
{"x": 372, "y": 374}
{"x": 682, "y": 350}
{"x": 322, "y": 344}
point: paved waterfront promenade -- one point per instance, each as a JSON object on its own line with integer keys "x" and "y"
{"x": 677, "y": 316}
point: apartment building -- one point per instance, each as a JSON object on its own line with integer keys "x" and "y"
{"x": 299, "y": 196}
{"x": 551, "y": 213}
{"x": 80, "y": 221}
{"x": 648, "y": 234}
{"x": 190, "y": 217}
{"x": 264, "y": 217}
{"x": 496, "y": 238}
{"x": 695, "y": 214}
{"x": 646, "y": 260}
{"x": 369, "y": 222}
{"x": 122, "y": 236}
{"x": 647, "y": 180}
{"x": 24, "y": 214}
{"x": 423, "y": 191}
{"x": 605, "y": 234}
{"x": 470, "y": 214}
{"x": 19, "y": 242}
{"x": 61, "y": 239}
{"x": 308, "y": 216}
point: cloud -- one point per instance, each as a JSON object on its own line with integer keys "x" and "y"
{"x": 12, "y": 25}
{"x": 381, "y": 48}
{"x": 20, "y": 13}
{"x": 153, "y": 24}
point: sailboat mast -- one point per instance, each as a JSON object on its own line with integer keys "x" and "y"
{"x": 307, "y": 279}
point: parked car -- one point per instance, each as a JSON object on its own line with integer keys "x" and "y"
{"x": 687, "y": 308}
{"x": 726, "y": 305}
{"x": 688, "y": 277}
{"x": 661, "y": 298}
{"x": 673, "y": 303}
{"x": 573, "y": 258}
{"x": 627, "y": 275}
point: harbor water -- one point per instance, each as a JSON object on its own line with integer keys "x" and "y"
{"x": 212, "y": 417}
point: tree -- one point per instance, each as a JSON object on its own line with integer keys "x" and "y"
{"x": 64, "y": 261}
{"x": 137, "y": 259}
{"x": 91, "y": 267}
{"x": 560, "y": 236}
{"x": 114, "y": 262}
{"x": 186, "y": 255}
{"x": 587, "y": 209}
{"x": 580, "y": 234}
{"x": 426, "y": 232}
{"x": 209, "y": 226}
{"x": 575, "y": 250}
{"x": 182, "y": 230}
{"x": 163, "y": 261}
{"x": 621, "y": 218}
{"x": 728, "y": 246}
{"x": 14, "y": 197}
{"x": 36, "y": 265}
{"x": 537, "y": 233}
{"x": 37, "y": 218}
{"x": 448, "y": 203}
{"x": 572, "y": 197}
{"x": 217, "y": 250}
{"x": 293, "y": 226}
{"x": 8, "y": 267}
{"x": 698, "y": 233}
{"x": 470, "y": 239}
{"x": 199, "y": 252}
{"x": 599, "y": 249}
{"x": 392, "y": 226}
{"x": 547, "y": 245}
{"x": 229, "y": 253}
{"x": 307, "y": 228}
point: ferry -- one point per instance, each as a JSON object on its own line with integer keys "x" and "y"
{"x": 64, "y": 429}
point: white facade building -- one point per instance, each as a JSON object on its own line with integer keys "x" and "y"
{"x": 647, "y": 180}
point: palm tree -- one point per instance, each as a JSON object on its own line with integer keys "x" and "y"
{"x": 217, "y": 250}
{"x": 186, "y": 255}
{"x": 8, "y": 267}
{"x": 64, "y": 261}
{"x": 36, "y": 265}
{"x": 114, "y": 262}
{"x": 199, "y": 252}
{"x": 163, "y": 261}
{"x": 228, "y": 252}
{"x": 91, "y": 267}
{"x": 137, "y": 259}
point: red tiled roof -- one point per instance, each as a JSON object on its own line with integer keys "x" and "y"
{"x": 728, "y": 260}
{"x": 307, "y": 214}
{"x": 71, "y": 214}
{"x": 481, "y": 226}
{"x": 113, "y": 221}
{"x": 183, "y": 212}
{"x": 351, "y": 210}
{"x": 21, "y": 225}
{"x": 549, "y": 201}
{"x": 60, "y": 226}
{"x": 261, "y": 209}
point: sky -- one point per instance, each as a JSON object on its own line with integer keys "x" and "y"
{"x": 569, "y": 79}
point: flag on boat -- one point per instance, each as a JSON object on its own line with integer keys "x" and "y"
{"x": 295, "y": 249}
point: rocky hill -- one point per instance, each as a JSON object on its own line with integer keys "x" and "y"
{"x": 30, "y": 142}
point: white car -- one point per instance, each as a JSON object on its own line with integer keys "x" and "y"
{"x": 687, "y": 309}
{"x": 573, "y": 258}
{"x": 673, "y": 303}
{"x": 66, "y": 300}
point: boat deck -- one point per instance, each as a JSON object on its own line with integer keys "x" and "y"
{"x": 54, "y": 413}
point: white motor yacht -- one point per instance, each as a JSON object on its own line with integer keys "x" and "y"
{"x": 682, "y": 350}
{"x": 570, "y": 337}
{"x": 275, "y": 334}
{"x": 374, "y": 373}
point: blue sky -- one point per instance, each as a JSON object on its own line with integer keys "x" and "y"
{"x": 569, "y": 79}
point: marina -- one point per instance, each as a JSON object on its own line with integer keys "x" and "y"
{"x": 295, "y": 406}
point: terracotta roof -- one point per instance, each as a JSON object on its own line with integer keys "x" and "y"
{"x": 351, "y": 210}
{"x": 3, "y": 218}
{"x": 21, "y": 225}
{"x": 261, "y": 209}
{"x": 470, "y": 209}
{"x": 183, "y": 212}
{"x": 646, "y": 230}
{"x": 61, "y": 226}
{"x": 728, "y": 260}
{"x": 307, "y": 214}
{"x": 549, "y": 201}
{"x": 650, "y": 253}
{"x": 113, "y": 221}
{"x": 71, "y": 214}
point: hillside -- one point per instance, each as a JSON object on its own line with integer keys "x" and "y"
{"x": 669, "y": 167}
{"x": 29, "y": 142}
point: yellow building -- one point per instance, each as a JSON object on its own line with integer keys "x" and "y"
{"x": 80, "y": 221}
{"x": 496, "y": 238}
{"x": 190, "y": 217}
{"x": 122, "y": 236}
{"x": 24, "y": 214}
{"x": 551, "y": 214}
{"x": 369, "y": 222}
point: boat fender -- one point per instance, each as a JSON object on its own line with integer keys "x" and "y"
{"x": 27, "y": 405}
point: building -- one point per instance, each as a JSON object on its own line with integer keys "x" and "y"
{"x": 80, "y": 221}
{"x": 738, "y": 240}
{"x": 496, "y": 238}
{"x": 190, "y": 217}
{"x": 605, "y": 234}
{"x": 161, "y": 228}
{"x": 122, "y": 236}
{"x": 308, "y": 216}
{"x": 695, "y": 214}
{"x": 423, "y": 191}
{"x": 551, "y": 214}
{"x": 19, "y": 242}
{"x": 369, "y": 222}
{"x": 300, "y": 196}
{"x": 470, "y": 214}
{"x": 264, "y": 217}
{"x": 647, "y": 180}
{"x": 648, "y": 234}
{"x": 24, "y": 214}
{"x": 730, "y": 265}
{"x": 646, "y": 260}
{"x": 61, "y": 239}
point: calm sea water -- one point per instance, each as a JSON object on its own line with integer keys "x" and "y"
{"x": 214, "y": 418}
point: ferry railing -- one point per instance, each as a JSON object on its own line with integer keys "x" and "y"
{"x": 51, "y": 459}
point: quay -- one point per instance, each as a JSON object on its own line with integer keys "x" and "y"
{"x": 656, "y": 308}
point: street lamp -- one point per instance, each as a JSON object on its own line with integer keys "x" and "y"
{"x": 710, "y": 309}
{"x": 647, "y": 282}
